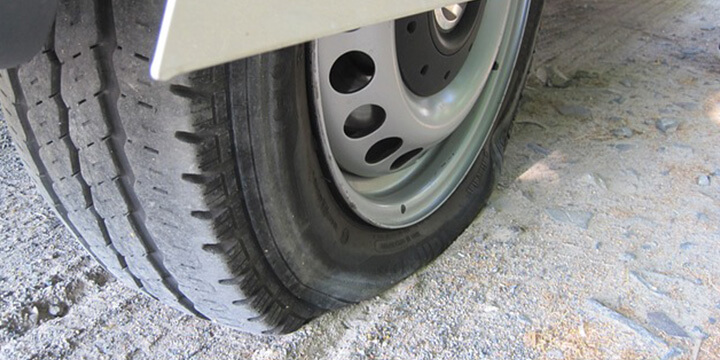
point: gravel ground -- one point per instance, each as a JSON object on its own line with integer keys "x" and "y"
{"x": 601, "y": 241}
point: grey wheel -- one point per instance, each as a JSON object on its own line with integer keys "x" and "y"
{"x": 397, "y": 156}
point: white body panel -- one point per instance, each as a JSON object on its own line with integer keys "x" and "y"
{"x": 196, "y": 34}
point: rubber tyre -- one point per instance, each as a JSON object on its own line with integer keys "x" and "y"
{"x": 208, "y": 192}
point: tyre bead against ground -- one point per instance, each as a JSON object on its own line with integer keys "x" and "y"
{"x": 148, "y": 175}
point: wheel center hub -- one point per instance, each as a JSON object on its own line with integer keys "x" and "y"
{"x": 432, "y": 47}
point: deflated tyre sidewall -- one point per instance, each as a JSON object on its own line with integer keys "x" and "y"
{"x": 319, "y": 248}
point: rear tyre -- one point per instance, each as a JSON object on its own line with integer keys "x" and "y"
{"x": 217, "y": 192}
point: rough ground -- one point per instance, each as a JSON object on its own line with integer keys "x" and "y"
{"x": 601, "y": 242}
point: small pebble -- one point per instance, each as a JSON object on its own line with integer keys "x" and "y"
{"x": 626, "y": 83}
{"x": 597, "y": 180}
{"x": 33, "y": 315}
{"x": 699, "y": 332}
{"x": 623, "y": 132}
{"x": 662, "y": 322}
{"x": 627, "y": 256}
{"x": 683, "y": 146}
{"x": 625, "y": 147}
{"x": 649, "y": 245}
{"x": 556, "y": 78}
{"x": 618, "y": 100}
{"x": 577, "y": 218}
{"x": 56, "y": 310}
{"x": 692, "y": 51}
{"x": 686, "y": 105}
{"x": 551, "y": 76}
{"x": 538, "y": 149}
{"x": 687, "y": 245}
{"x": 574, "y": 110}
{"x": 555, "y": 354}
{"x": 582, "y": 74}
{"x": 667, "y": 125}
{"x": 707, "y": 27}
{"x": 542, "y": 75}
{"x": 703, "y": 180}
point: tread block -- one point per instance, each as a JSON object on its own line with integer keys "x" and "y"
{"x": 48, "y": 129}
{"x": 71, "y": 191}
{"x": 88, "y": 225}
{"x": 76, "y": 28}
{"x": 109, "y": 203}
{"x": 37, "y": 88}
{"x": 97, "y": 164}
{"x": 57, "y": 160}
{"x": 86, "y": 124}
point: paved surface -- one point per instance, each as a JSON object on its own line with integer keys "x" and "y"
{"x": 601, "y": 242}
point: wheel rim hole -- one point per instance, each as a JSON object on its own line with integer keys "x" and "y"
{"x": 447, "y": 75}
{"x": 364, "y": 120}
{"x": 424, "y": 70}
{"x": 411, "y": 26}
{"x": 351, "y": 72}
{"x": 403, "y": 208}
{"x": 449, "y": 14}
{"x": 405, "y": 158}
{"x": 382, "y": 149}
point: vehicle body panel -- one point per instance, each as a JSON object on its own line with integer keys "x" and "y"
{"x": 198, "y": 34}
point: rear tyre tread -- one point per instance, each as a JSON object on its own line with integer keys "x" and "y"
{"x": 105, "y": 171}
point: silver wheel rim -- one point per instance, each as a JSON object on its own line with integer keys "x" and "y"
{"x": 455, "y": 122}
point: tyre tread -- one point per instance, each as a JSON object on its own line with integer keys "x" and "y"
{"x": 142, "y": 172}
